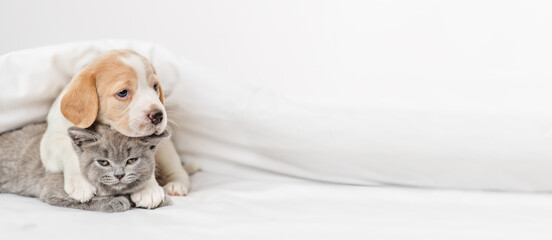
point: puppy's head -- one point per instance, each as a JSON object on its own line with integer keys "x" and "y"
{"x": 119, "y": 88}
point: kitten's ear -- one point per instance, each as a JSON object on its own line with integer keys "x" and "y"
{"x": 156, "y": 139}
{"x": 80, "y": 137}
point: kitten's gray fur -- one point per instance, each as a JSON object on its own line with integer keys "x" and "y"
{"x": 21, "y": 171}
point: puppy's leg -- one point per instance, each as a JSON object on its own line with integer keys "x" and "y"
{"x": 191, "y": 168}
{"x": 173, "y": 174}
{"x": 50, "y": 155}
{"x": 57, "y": 155}
{"x": 150, "y": 196}
{"x": 75, "y": 185}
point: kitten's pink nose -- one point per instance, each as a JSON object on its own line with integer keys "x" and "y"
{"x": 119, "y": 176}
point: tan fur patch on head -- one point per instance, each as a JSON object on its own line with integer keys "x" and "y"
{"x": 115, "y": 76}
{"x": 161, "y": 95}
{"x": 151, "y": 74}
{"x": 87, "y": 95}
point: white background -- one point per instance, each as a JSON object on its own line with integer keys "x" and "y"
{"x": 318, "y": 51}
{"x": 455, "y": 94}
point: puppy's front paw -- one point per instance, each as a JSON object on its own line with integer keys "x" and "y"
{"x": 118, "y": 204}
{"x": 79, "y": 189}
{"x": 176, "y": 188}
{"x": 149, "y": 197}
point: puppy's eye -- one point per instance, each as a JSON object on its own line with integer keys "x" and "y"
{"x": 122, "y": 94}
{"x": 131, "y": 161}
{"x": 155, "y": 86}
{"x": 103, "y": 162}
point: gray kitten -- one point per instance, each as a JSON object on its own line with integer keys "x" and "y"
{"x": 115, "y": 164}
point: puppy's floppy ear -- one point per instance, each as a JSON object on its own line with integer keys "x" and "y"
{"x": 80, "y": 103}
{"x": 156, "y": 139}
{"x": 80, "y": 137}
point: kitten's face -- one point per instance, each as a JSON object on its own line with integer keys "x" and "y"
{"x": 114, "y": 163}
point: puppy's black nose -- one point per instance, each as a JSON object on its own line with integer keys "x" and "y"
{"x": 156, "y": 117}
{"x": 119, "y": 176}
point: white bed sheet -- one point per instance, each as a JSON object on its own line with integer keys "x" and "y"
{"x": 225, "y": 207}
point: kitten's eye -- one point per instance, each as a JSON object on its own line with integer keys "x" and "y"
{"x": 103, "y": 162}
{"x": 122, "y": 94}
{"x": 131, "y": 161}
{"x": 155, "y": 86}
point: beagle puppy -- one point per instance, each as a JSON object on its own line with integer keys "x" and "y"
{"x": 119, "y": 88}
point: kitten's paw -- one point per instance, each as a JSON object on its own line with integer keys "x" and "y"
{"x": 79, "y": 189}
{"x": 149, "y": 197}
{"x": 118, "y": 204}
{"x": 176, "y": 189}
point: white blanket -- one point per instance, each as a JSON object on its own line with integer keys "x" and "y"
{"x": 483, "y": 134}
{"x": 221, "y": 207}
